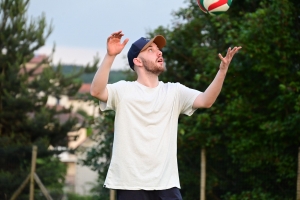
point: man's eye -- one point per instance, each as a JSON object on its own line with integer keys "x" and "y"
{"x": 150, "y": 50}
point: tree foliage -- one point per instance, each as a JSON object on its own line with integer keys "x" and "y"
{"x": 252, "y": 131}
{"x": 25, "y": 118}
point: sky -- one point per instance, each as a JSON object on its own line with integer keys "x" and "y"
{"x": 81, "y": 27}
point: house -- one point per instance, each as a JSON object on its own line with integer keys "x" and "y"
{"x": 79, "y": 179}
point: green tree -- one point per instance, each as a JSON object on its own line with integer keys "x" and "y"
{"x": 252, "y": 131}
{"x": 25, "y": 118}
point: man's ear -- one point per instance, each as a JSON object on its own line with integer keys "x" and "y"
{"x": 137, "y": 62}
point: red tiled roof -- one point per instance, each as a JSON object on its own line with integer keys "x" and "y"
{"x": 38, "y": 58}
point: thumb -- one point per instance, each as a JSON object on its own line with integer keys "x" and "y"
{"x": 125, "y": 42}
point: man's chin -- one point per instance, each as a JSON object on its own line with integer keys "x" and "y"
{"x": 157, "y": 70}
{"x": 160, "y": 70}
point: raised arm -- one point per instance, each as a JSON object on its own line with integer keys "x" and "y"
{"x": 114, "y": 47}
{"x": 207, "y": 98}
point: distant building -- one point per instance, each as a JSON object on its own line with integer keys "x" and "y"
{"x": 79, "y": 179}
{"x": 35, "y": 65}
{"x": 37, "y": 59}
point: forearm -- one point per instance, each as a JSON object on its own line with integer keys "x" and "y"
{"x": 206, "y": 99}
{"x": 212, "y": 92}
{"x": 100, "y": 80}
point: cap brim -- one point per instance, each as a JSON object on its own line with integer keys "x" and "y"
{"x": 159, "y": 40}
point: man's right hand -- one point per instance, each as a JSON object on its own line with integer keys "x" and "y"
{"x": 114, "y": 45}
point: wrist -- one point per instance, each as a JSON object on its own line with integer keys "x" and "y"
{"x": 110, "y": 55}
{"x": 222, "y": 72}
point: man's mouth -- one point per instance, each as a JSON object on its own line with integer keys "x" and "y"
{"x": 160, "y": 60}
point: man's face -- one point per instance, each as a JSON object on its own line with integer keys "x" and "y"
{"x": 152, "y": 59}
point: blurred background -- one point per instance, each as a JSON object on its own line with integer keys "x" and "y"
{"x": 81, "y": 28}
{"x": 52, "y": 134}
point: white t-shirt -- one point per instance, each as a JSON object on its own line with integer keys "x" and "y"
{"x": 145, "y": 134}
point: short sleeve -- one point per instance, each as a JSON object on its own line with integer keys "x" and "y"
{"x": 186, "y": 98}
{"x": 115, "y": 92}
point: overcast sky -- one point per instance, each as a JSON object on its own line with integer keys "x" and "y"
{"x": 81, "y": 27}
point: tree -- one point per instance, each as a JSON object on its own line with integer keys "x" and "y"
{"x": 25, "y": 118}
{"x": 252, "y": 131}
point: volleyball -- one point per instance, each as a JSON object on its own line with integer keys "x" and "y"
{"x": 214, "y": 7}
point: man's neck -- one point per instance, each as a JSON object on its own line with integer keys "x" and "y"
{"x": 148, "y": 81}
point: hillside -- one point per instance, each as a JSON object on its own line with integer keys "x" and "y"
{"x": 114, "y": 76}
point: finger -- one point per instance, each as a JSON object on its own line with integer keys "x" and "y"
{"x": 119, "y": 34}
{"x": 235, "y": 50}
{"x": 125, "y": 41}
{"x": 221, "y": 57}
{"x": 116, "y": 34}
{"x": 238, "y": 48}
{"x": 228, "y": 51}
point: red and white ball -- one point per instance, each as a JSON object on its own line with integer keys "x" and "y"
{"x": 214, "y": 7}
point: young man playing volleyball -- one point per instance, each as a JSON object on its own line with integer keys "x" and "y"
{"x": 144, "y": 159}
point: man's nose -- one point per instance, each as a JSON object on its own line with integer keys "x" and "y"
{"x": 159, "y": 52}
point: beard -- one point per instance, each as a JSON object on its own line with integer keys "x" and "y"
{"x": 152, "y": 67}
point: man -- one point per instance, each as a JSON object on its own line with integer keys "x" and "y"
{"x": 144, "y": 162}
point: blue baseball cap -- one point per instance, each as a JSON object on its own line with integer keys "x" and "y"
{"x": 142, "y": 44}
